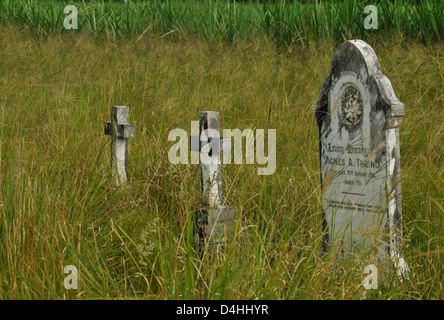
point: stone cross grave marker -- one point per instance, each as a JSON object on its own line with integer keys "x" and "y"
{"x": 358, "y": 115}
{"x": 120, "y": 131}
{"x": 214, "y": 221}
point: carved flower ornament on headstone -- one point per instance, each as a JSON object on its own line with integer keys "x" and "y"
{"x": 351, "y": 106}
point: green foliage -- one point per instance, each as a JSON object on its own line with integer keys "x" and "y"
{"x": 286, "y": 21}
{"x": 57, "y": 206}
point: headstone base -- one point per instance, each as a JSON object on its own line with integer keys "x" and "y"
{"x": 214, "y": 227}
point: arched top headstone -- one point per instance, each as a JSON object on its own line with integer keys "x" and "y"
{"x": 358, "y": 115}
{"x": 357, "y": 59}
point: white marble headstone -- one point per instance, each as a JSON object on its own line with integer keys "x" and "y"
{"x": 358, "y": 116}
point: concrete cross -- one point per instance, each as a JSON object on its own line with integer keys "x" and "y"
{"x": 120, "y": 131}
{"x": 214, "y": 220}
{"x": 211, "y": 146}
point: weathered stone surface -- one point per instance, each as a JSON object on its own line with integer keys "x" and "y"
{"x": 214, "y": 221}
{"x": 210, "y": 161}
{"x": 214, "y": 226}
{"x": 358, "y": 115}
{"x": 120, "y": 131}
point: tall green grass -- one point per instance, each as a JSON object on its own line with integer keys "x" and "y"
{"x": 285, "y": 21}
{"x": 57, "y": 206}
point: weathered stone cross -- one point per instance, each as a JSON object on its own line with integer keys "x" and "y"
{"x": 120, "y": 131}
{"x": 214, "y": 220}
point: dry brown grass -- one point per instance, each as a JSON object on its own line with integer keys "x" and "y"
{"x": 57, "y": 207}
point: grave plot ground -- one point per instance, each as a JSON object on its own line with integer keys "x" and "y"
{"x": 58, "y": 208}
